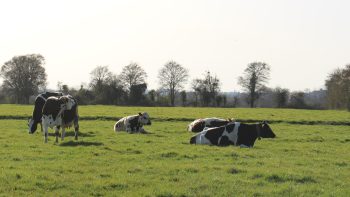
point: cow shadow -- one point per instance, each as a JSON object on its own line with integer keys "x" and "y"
{"x": 81, "y": 143}
{"x": 80, "y": 134}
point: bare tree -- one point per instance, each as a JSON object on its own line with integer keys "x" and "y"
{"x": 133, "y": 74}
{"x": 172, "y": 77}
{"x": 281, "y": 97}
{"x": 99, "y": 76}
{"x": 23, "y": 76}
{"x": 338, "y": 88}
{"x": 196, "y": 87}
{"x": 207, "y": 88}
{"x": 183, "y": 97}
{"x": 297, "y": 100}
{"x": 254, "y": 79}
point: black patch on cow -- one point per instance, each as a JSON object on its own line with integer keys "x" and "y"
{"x": 199, "y": 126}
{"x": 149, "y": 122}
{"x": 52, "y": 107}
{"x": 266, "y": 131}
{"x": 214, "y": 134}
{"x": 224, "y": 141}
{"x": 230, "y": 128}
{"x": 217, "y": 123}
{"x": 134, "y": 123}
{"x": 71, "y": 115}
{"x": 193, "y": 140}
{"x": 247, "y": 134}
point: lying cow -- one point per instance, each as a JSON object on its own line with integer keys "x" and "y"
{"x": 234, "y": 133}
{"x": 62, "y": 113}
{"x": 133, "y": 123}
{"x": 38, "y": 110}
{"x": 199, "y": 124}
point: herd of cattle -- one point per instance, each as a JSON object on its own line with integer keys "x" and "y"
{"x": 56, "y": 111}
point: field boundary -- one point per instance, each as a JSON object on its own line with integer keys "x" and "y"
{"x": 109, "y": 118}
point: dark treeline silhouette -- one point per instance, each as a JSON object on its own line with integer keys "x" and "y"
{"x": 338, "y": 89}
{"x": 24, "y": 77}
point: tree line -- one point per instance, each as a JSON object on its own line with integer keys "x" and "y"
{"x": 24, "y": 77}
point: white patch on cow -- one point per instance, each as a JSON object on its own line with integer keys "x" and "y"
{"x": 201, "y": 139}
{"x": 50, "y": 122}
{"x": 244, "y": 146}
{"x": 235, "y": 133}
{"x": 206, "y": 128}
{"x": 120, "y": 125}
{"x": 233, "y": 136}
{"x": 144, "y": 119}
{"x": 69, "y": 104}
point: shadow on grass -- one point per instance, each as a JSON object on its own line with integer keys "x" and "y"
{"x": 71, "y": 133}
{"x": 81, "y": 143}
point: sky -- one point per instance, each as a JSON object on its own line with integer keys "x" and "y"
{"x": 302, "y": 40}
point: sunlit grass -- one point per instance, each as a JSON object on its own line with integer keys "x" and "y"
{"x": 304, "y": 160}
{"x": 187, "y": 114}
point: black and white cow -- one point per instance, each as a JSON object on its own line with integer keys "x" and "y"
{"x": 199, "y": 124}
{"x": 133, "y": 123}
{"x": 61, "y": 112}
{"x": 38, "y": 110}
{"x": 235, "y": 133}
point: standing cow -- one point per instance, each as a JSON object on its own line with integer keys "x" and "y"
{"x": 133, "y": 123}
{"x": 38, "y": 110}
{"x": 62, "y": 113}
{"x": 235, "y": 133}
{"x": 199, "y": 124}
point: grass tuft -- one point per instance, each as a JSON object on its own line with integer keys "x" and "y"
{"x": 169, "y": 154}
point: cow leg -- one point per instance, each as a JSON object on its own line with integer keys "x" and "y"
{"x": 76, "y": 130}
{"x": 142, "y": 130}
{"x": 45, "y": 133}
{"x": 63, "y": 133}
{"x": 128, "y": 129}
{"x": 57, "y": 129}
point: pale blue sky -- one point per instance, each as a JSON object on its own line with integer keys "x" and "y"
{"x": 303, "y": 41}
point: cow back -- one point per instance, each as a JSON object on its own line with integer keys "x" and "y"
{"x": 52, "y": 107}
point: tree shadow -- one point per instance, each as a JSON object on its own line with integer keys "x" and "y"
{"x": 81, "y": 143}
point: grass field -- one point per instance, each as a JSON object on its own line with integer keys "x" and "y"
{"x": 309, "y": 157}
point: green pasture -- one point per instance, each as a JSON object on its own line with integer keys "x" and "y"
{"x": 309, "y": 157}
{"x": 93, "y": 112}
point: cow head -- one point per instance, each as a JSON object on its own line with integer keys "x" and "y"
{"x": 31, "y": 126}
{"x": 266, "y": 131}
{"x": 196, "y": 126}
{"x": 144, "y": 118}
{"x": 67, "y": 102}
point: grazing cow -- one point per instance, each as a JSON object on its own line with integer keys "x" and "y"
{"x": 62, "y": 113}
{"x": 38, "y": 110}
{"x": 234, "y": 133}
{"x": 133, "y": 123}
{"x": 199, "y": 124}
